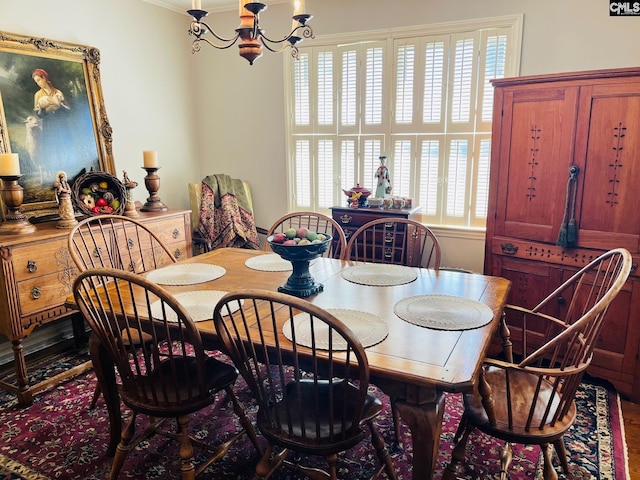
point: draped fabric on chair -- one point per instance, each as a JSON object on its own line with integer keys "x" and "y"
{"x": 226, "y": 218}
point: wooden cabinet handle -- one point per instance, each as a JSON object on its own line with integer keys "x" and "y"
{"x": 32, "y": 267}
{"x": 509, "y": 248}
{"x": 176, "y": 233}
{"x": 35, "y": 293}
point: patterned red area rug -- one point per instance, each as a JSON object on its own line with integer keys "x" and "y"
{"x": 58, "y": 437}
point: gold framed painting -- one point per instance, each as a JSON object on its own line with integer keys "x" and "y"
{"x": 52, "y": 114}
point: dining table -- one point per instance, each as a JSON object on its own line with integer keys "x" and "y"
{"x": 415, "y": 362}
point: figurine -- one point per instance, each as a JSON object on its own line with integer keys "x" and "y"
{"x": 130, "y": 206}
{"x": 65, "y": 206}
{"x": 383, "y": 188}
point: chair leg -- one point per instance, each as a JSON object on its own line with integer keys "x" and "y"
{"x": 457, "y": 455}
{"x": 548, "y": 472}
{"x": 244, "y": 420}
{"x": 562, "y": 454}
{"x": 96, "y": 396}
{"x": 268, "y": 464}
{"x": 505, "y": 461}
{"x": 186, "y": 450}
{"x": 383, "y": 454}
{"x": 123, "y": 447}
{"x": 395, "y": 415}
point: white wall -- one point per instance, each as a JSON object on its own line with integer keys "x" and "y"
{"x": 145, "y": 69}
{"x": 241, "y": 123}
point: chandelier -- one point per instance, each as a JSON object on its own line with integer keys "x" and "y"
{"x": 249, "y": 33}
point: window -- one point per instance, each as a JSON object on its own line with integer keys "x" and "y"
{"x": 420, "y": 96}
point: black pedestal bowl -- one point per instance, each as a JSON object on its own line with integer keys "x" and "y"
{"x": 300, "y": 283}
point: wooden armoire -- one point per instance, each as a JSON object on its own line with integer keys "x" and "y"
{"x": 548, "y": 218}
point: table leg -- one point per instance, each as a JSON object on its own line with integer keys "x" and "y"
{"x": 424, "y": 419}
{"x": 106, "y": 375}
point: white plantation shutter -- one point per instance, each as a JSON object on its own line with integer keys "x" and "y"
{"x": 325, "y": 174}
{"x": 303, "y": 173}
{"x": 373, "y": 85}
{"x": 434, "y": 93}
{"x": 424, "y": 100}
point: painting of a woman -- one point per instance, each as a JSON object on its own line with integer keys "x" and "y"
{"x": 51, "y": 123}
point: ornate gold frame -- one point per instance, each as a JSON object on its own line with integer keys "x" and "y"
{"x": 79, "y": 65}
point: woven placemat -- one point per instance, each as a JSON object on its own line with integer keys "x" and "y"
{"x": 186, "y": 274}
{"x": 271, "y": 262}
{"x": 199, "y": 304}
{"x": 380, "y": 275}
{"x": 443, "y": 312}
{"x": 369, "y": 328}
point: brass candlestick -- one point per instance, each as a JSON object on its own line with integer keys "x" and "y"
{"x": 15, "y": 223}
{"x": 152, "y": 182}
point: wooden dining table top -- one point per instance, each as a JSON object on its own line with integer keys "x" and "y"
{"x": 446, "y": 359}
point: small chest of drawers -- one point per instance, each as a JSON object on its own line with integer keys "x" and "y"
{"x": 37, "y": 278}
{"x": 350, "y": 219}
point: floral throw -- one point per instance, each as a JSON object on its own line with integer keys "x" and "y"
{"x": 226, "y": 219}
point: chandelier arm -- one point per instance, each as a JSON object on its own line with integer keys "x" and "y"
{"x": 306, "y": 31}
{"x": 197, "y": 30}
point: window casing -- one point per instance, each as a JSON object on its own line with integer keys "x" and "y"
{"x": 420, "y": 96}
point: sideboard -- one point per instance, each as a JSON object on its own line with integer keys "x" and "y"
{"x": 37, "y": 277}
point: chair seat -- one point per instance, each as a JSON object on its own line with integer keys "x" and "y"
{"x": 218, "y": 375}
{"x": 523, "y": 389}
{"x": 290, "y": 413}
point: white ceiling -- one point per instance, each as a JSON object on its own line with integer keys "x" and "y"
{"x": 210, "y": 5}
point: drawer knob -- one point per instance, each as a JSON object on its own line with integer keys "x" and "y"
{"x": 35, "y": 293}
{"x": 32, "y": 267}
{"x": 176, "y": 233}
{"x": 130, "y": 242}
{"x": 509, "y": 248}
{"x": 388, "y": 252}
{"x": 388, "y": 237}
{"x": 177, "y": 253}
{"x": 346, "y": 219}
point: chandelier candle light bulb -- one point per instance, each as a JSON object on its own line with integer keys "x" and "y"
{"x": 196, "y": 5}
{"x": 9, "y": 164}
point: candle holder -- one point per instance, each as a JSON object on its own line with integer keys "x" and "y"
{"x": 15, "y": 223}
{"x": 152, "y": 182}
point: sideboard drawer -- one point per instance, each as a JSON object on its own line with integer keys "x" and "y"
{"x": 31, "y": 261}
{"x": 44, "y": 292}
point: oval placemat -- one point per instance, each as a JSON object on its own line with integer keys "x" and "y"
{"x": 199, "y": 304}
{"x": 380, "y": 275}
{"x": 369, "y": 328}
{"x": 443, "y": 312}
{"x": 271, "y": 262}
{"x": 186, "y": 274}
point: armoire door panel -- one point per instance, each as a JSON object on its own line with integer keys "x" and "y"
{"x": 536, "y": 162}
{"x": 611, "y": 167}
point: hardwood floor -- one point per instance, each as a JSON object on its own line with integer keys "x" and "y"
{"x": 631, "y": 415}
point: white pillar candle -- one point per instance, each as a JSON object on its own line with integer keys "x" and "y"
{"x": 298, "y": 7}
{"x": 150, "y": 158}
{"x": 9, "y": 164}
{"x": 196, "y": 5}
